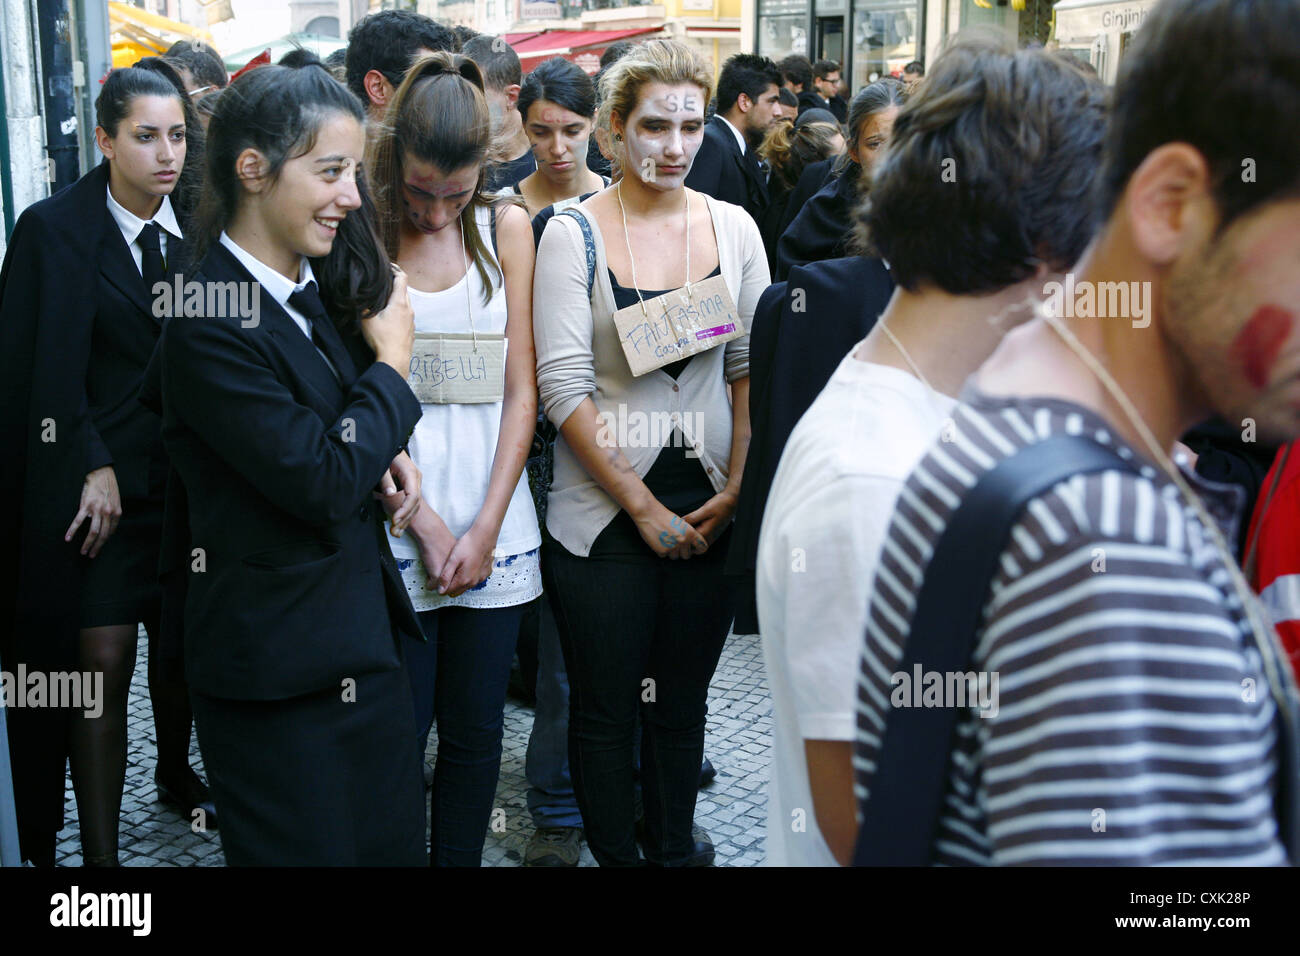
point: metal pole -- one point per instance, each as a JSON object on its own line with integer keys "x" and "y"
{"x": 58, "y": 94}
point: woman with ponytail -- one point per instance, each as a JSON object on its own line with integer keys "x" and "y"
{"x": 86, "y": 478}
{"x": 471, "y": 563}
{"x": 285, "y": 409}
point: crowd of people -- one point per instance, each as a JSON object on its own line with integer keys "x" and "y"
{"x": 590, "y": 373}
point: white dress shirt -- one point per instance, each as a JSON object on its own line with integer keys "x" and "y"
{"x": 274, "y": 283}
{"x": 132, "y": 225}
{"x": 740, "y": 137}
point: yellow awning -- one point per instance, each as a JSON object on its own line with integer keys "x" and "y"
{"x": 138, "y": 33}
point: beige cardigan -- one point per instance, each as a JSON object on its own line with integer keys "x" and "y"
{"x": 579, "y": 355}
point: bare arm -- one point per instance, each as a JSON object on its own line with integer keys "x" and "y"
{"x": 830, "y": 778}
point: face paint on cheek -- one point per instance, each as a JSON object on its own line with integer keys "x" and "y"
{"x": 1256, "y": 346}
{"x": 641, "y": 153}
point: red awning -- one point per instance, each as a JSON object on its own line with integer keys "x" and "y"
{"x": 513, "y": 38}
{"x": 567, "y": 43}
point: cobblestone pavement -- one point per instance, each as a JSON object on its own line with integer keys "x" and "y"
{"x": 732, "y": 808}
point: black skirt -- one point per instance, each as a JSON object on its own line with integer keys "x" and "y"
{"x": 120, "y": 585}
{"x": 324, "y": 779}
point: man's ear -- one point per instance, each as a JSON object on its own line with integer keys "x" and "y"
{"x": 512, "y": 96}
{"x": 744, "y": 103}
{"x": 1167, "y": 198}
{"x": 377, "y": 87}
{"x": 250, "y": 167}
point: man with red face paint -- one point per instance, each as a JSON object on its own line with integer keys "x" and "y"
{"x": 1145, "y": 713}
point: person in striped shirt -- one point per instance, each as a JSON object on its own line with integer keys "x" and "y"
{"x": 846, "y": 460}
{"x": 1141, "y": 709}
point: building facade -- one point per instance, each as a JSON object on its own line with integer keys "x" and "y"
{"x": 874, "y": 38}
{"x": 580, "y": 30}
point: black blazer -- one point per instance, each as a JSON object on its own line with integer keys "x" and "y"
{"x": 839, "y": 108}
{"x": 821, "y": 228}
{"x": 723, "y": 172}
{"x": 63, "y": 268}
{"x": 123, "y": 432}
{"x": 814, "y": 177}
{"x": 278, "y": 460}
{"x": 811, "y": 100}
{"x": 788, "y": 368}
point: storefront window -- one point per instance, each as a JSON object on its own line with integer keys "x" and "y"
{"x": 782, "y": 28}
{"x": 886, "y": 37}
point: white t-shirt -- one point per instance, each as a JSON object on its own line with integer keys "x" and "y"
{"x": 454, "y": 445}
{"x": 826, "y": 518}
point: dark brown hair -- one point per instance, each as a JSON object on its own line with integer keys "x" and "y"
{"x": 279, "y": 111}
{"x": 989, "y": 170}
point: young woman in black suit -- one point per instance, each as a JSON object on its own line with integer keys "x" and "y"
{"x": 75, "y": 354}
{"x": 282, "y": 423}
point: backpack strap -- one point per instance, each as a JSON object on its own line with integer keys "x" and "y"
{"x": 589, "y": 243}
{"x": 900, "y": 818}
{"x": 492, "y": 229}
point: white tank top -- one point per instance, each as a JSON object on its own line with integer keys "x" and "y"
{"x": 454, "y": 445}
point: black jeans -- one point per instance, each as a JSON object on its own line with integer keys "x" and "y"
{"x": 459, "y": 678}
{"x": 638, "y": 631}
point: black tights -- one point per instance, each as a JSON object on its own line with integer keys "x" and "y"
{"x": 98, "y": 744}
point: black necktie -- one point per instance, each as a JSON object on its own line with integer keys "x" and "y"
{"x": 323, "y": 334}
{"x": 152, "y": 266}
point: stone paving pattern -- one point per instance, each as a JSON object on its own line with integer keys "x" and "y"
{"x": 732, "y": 809}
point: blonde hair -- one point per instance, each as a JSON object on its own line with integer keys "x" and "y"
{"x": 670, "y": 62}
{"x": 789, "y": 149}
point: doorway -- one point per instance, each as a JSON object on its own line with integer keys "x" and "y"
{"x": 830, "y": 39}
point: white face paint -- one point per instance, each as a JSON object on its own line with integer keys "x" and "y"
{"x": 662, "y": 134}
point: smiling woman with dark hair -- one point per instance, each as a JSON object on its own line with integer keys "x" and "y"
{"x": 281, "y": 421}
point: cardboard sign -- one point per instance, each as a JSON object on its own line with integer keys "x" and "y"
{"x": 447, "y": 368}
{"x": 677, "y": 325}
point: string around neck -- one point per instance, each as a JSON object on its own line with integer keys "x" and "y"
{"x": 632, "y": 261}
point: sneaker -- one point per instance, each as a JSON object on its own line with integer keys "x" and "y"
{"x": 703, "y": 851}
{"x": 554, "y": 846}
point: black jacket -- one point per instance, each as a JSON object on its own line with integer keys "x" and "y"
{"x": 839, "y": 108}
{"x": 822, "y": 227}
{"x": 811, "y": 100}
{"x": 811, "y": 180}
{"x": 278, "y": 459}
{"x": 795, "y": 345}
{"x": 723, "y": 172}
{"x": 67, "y": 281}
